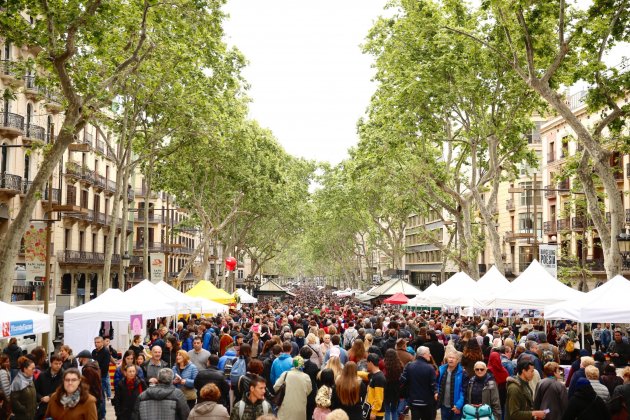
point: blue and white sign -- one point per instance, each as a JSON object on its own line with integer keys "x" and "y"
{"x": 13, "y": 328}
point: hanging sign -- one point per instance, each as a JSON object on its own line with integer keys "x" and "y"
{"x": 35, "y": 250}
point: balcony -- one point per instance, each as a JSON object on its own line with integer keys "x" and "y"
{"x": 99, "y": 182}
{"x": 142, "y": 192}
{"x": 34, "y": 133}
{"x": 52, "y": 101}
{"x": 509, "y": 205}
{"x": 26, "y": 185}
{"x": 596, "y": 264}
{"x": 10, "y": 184}
{"x": 87, "y": 175}
{"x": 10, "y": 73}
{"x": 153, "y": 246}
{"x": 577, "y": 223}
{"x": 74, "y": 170}
{"x": 100, "y": 218}
{"x": 153, "y": 218}
{"x": 31, "y": 90}
{"x": 69, "y": 257}
{"x": 100, "y": 146}
{"x": 618, "y": 173}
{"x": 56, "y": 195}
{"x": 563, "y": 224}
{"x": 550, "y": 194}
{"x": 83, "y": 144}
{"x": 564, "y": 186}
{"x": 110, "y": 187}
{"x": 551, "y": 156}
{"x": 11, "y": 125}
{"x": 549, "y": 227}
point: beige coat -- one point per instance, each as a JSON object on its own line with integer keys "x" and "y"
{"x": 295, "y": 398}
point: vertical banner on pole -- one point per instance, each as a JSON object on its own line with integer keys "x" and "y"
{"x": 35, "y": 250}
{"x": 548, "y": 258}
{"x": 157, "y": 267}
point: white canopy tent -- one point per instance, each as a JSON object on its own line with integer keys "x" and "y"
{"x": 16, "y": 321}
{"x": 456, "y": 291}
{"x": 245, "y": 297}
{"x": 423, "y": 298}
{"x": 82, "y": 323}
{"x": 193, "y": 304}
{"x": 488, "y": 288}
{"x": 606, "y": 303}
{"x": 534, "y": 289}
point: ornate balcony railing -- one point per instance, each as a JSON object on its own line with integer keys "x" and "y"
{"x": 12, "y": 121}
{"x": 11, "y": 182}
{"x": 35, "y": 132}
{"x": 549, "y": 227}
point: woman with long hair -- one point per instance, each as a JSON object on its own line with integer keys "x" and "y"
{"x": 334, "y": 363}
{"x": 40, "y": 359}
{"x": 317, "y": 357}
{"x": 23, "y": 394}
{"x": 185, "y": 372}
{"x": 391, "y": 399}
{"x": 357, "y": 352}
{"x": 140, "y": 361}
{"x": 169, "y": 353}
{"x": 471, "y": 355}
{"x": 348, "y": 392}
{"x": 127, "y": 359}
{"x": 369, "y": 340}
{"x": 92, "y": 378}
{"x": 72, "y": 400}
{"x": 5, "y": 375}
{"x": 127, "y": 391}
{"x": 323, "y": 399}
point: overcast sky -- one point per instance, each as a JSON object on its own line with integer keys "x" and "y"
{"x": 310, "y": 82}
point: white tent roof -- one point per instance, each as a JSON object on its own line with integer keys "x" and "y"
{"x": 245, "y": 297}
{"x": 146, "y": 290}
{"x": 488, "y": 288}
{"x": 423, "y": 298}
{"x": 606, "y": 303}
{"x": 395, "y": 286}
{"x": 534, "y": 289}
{"x": 456, "y": 291}
{"x": 82, "y": 323}
{"x": 16, "y": 321}
{"x": 191, "y": 303}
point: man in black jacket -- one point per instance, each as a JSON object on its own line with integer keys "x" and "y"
{"x": 47, "y": 383}
{"x": 215, "y": 376}
{"x": 418, "y": 378}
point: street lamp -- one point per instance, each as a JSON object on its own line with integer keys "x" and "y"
{"x": 126, "y": 260}
{"x": 433, "y": 278}
{"x": 249, "y": 283}
{"x": 624, "y": 248}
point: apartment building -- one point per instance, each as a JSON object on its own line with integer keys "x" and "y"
{"x": 520, "y": 212}
{"x": 566, "y": 220}
{"x": 82, "y": 195}
{"x": 423, "y": 259}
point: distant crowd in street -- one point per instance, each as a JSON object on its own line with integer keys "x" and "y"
{"x": 318, "y": 356}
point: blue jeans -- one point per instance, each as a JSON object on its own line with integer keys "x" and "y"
{"x": 107, "y": 387}
{"x": 448, "y": 414}
{"x": 393, "y": 409}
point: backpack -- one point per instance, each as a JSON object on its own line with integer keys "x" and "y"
{"x": 483, "y": 412}
{"x": 239, "y": 368}
{"x": 215, "y": 344}
{"x": 547, "y": 355}
{"x": 227, "y": 368}
{"x": 241, "y": 408}
{"x": 570, "y": 346}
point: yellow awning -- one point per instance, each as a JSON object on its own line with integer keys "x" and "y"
{"x": 207, "y": 290}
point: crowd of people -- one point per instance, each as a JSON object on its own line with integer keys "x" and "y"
{"x": 318, "y": 356}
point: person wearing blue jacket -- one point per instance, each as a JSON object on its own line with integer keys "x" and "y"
{"x": 282, "y": 363}
{"x": 451, "y": 385}
{"x": 418, "y": 378}
{"x": 229, "y": 355}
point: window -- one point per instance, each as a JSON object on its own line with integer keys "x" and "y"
{"x": 527, "y": 196}
{"x": 27, "y": 166}
{"x": 5, "y": 159}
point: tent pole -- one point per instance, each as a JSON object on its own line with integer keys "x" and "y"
{"x": 583, "y": 336}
